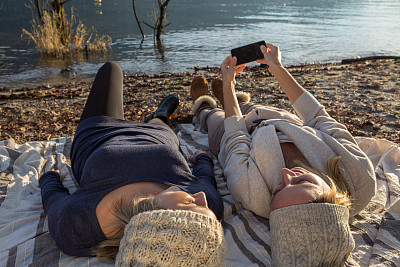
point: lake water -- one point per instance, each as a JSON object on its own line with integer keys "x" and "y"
{"x": 202, "y": 33}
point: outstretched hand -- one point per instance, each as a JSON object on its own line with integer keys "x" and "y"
{"x": 229, "y": 70}
{"x": 198, "y": 152}
{"x": 272, "y": 55}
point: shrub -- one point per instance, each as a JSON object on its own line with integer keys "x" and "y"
{"x": 53, "y": 40}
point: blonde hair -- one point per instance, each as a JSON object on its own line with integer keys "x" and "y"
{"x": 340, "y": 193}
{"x": 124, "y": 209}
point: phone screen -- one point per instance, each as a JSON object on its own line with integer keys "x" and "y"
{"x": 248, "y": 53}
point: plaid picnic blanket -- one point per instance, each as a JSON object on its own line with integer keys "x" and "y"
{"x": 25, "y": 240}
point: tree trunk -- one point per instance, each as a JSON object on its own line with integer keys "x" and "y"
{"x": 159, "y": 27}
{"x": 39, "y": 10}
{"x": 58, "y": 12}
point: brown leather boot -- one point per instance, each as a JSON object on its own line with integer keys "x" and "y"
{"x": 217, "y": 90}
{"x": 198, "y": 88}
{"x": 199, "y": 93}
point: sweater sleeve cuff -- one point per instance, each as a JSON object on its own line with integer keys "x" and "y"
{"x": 204, "y": 157}
{"x": 234, "y": 123}
{"x": 49, "y": 175}
{"x": 306, "y": 106}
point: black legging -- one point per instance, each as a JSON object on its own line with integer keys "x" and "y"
{"x": 106, "y": 96}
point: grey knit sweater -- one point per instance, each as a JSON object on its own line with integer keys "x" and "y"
{"x": 253, "y": 163}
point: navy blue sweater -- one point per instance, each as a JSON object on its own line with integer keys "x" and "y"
{"x": 106, "y": 154}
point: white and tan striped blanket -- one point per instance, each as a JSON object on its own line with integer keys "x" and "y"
{"x": 25, "y": 240}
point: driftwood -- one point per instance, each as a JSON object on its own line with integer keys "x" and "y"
{"x": 352, "y": 60}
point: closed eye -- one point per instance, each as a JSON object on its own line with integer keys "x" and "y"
{"x": 299, "y": 181}
{"x": 302, "y": 181}
{"x": 305, "y": 178}
{"x": 191, "y": 201}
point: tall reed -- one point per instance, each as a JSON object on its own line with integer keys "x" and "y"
{"x": 48, "y": 38}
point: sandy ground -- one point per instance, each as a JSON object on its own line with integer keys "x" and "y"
{"x": 365, "y": 96}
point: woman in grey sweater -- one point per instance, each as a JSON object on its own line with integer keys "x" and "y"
{"x": 278, "y": 164}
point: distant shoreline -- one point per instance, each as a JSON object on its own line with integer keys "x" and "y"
{"x": 79, "y": 78}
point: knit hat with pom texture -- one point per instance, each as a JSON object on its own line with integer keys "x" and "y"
{"x": 172, "y": 238}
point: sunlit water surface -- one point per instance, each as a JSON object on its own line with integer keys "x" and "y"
{"x": 202, "y": 33}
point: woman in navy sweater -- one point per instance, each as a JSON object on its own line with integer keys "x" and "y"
{"x": 125, "y": 169}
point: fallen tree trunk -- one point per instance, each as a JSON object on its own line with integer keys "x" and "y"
{"x": 352, "y": 60}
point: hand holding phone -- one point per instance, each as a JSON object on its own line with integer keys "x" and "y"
{"x": 248, "y": 53}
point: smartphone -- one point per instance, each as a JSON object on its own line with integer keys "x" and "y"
{"x": 248, "y": 53}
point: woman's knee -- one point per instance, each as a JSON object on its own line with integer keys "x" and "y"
{"x": 247, "y": 107}
{"x": 110, "y": 67}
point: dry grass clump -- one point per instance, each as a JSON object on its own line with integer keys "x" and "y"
{"x": 50, "y": 39}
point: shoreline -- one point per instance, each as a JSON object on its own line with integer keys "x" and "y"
{"x": 89, "y": 77}
{"x": 364, "y": 95}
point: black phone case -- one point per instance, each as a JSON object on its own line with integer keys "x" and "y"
{"x": 248, "y": 53}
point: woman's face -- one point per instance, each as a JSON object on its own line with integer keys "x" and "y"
{"x": 174, "y": 198}
{"x": 298, "y": 186}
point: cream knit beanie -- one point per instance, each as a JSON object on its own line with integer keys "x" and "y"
{"x": 315, "y": 234}
{"x": 172, "y": 238}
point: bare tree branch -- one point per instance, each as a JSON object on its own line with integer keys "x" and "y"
{"x": 137, "y": 20}
{"x": 165, "y": 4}
{"x": 159, "y": 24}
{"x": 149, "y": 25}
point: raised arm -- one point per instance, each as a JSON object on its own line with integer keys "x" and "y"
{"x": 245, "y": 182}
{"x": 229, "y": 71}
{"x": 358, "y": 169}
{"x": 272, "y": 57}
